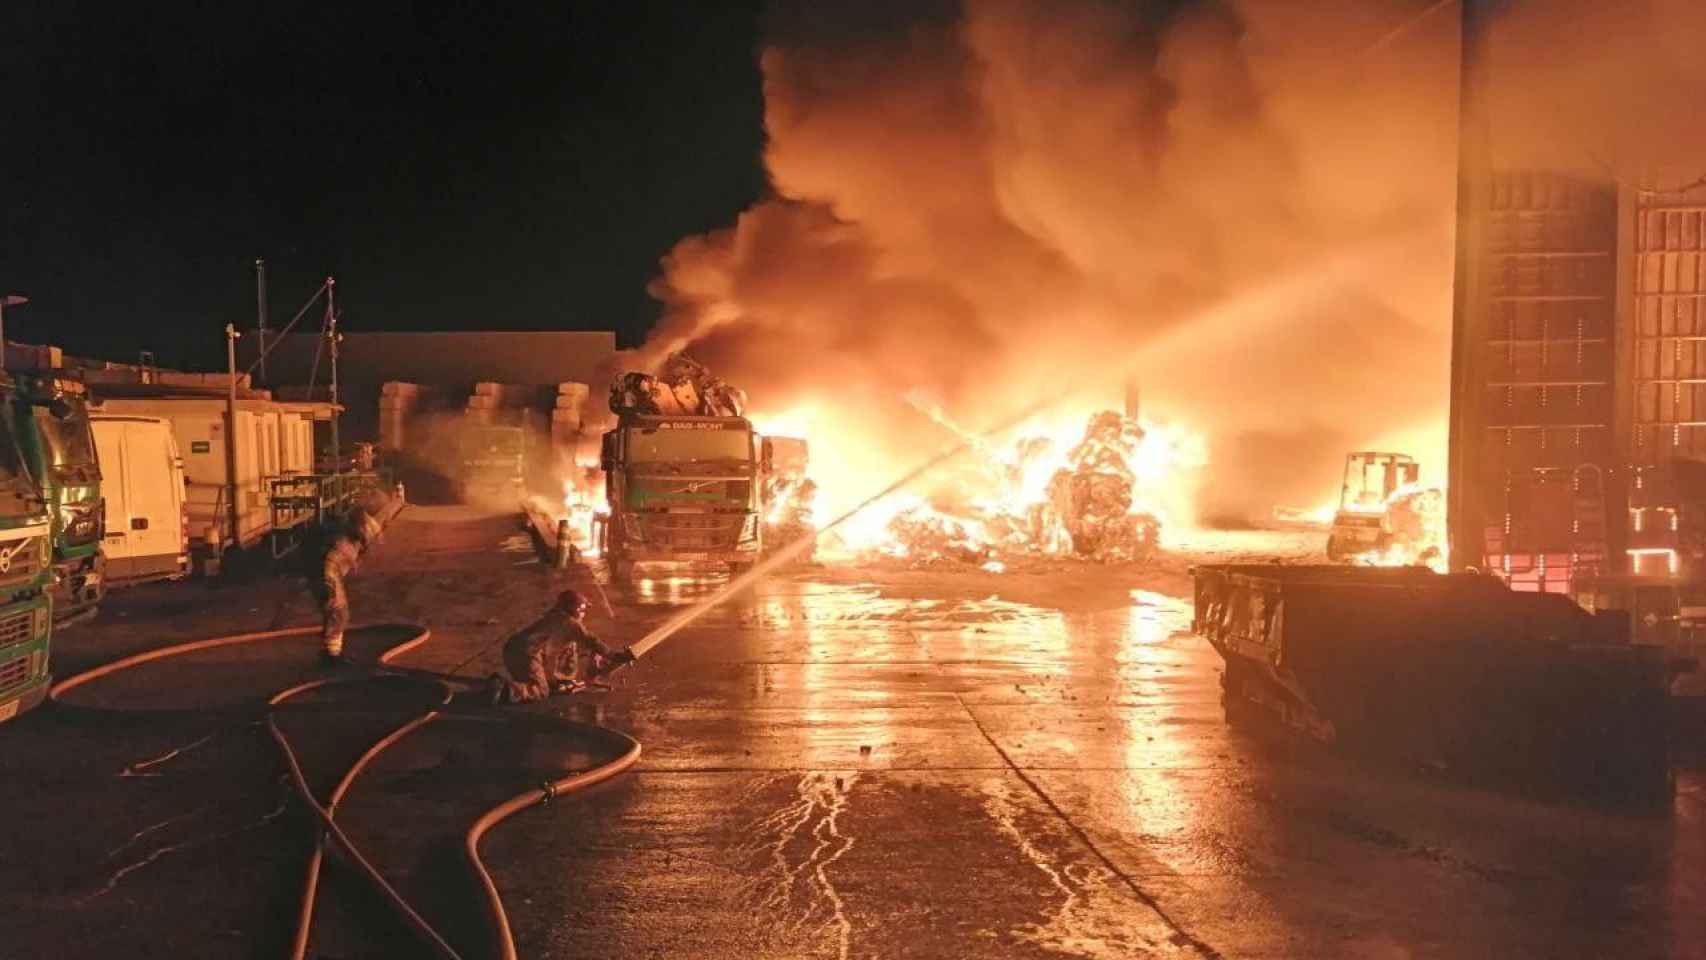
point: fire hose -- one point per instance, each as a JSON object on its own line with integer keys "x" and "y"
{"x": 332, "y": 835}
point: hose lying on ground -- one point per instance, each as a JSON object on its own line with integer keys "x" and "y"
{"x": 502, "y": 943}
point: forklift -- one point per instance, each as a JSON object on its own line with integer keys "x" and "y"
{"x": 1361, "y": 524}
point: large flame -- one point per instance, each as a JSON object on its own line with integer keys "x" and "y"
{"x": 1000, "y": 500}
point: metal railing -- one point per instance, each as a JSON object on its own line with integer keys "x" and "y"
{"x": 307, "y": 502}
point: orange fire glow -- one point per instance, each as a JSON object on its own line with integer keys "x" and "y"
{"x": 995, "y": 501}
{"x": 584, "y": 508}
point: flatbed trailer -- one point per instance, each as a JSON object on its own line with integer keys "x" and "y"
{"x": 1452, "y": 671}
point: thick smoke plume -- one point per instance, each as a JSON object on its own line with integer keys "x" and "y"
{"x": 1248, "y": 206}
{"x": 1604, "y": 91}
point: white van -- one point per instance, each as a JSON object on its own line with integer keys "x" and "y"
{"x": 142, "y": 484}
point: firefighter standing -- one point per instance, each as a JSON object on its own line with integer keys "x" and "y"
{"x": 544, "y": 657}
{"x": 353, "y": 538}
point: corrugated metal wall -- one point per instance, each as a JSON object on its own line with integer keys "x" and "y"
{"x": 1670, "y": 329}
{"x": 1667, "y": 261}
{"x": 1549, "y": 360}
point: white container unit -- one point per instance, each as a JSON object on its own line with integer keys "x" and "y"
{"x": 296, "y": 437}
{"x": 142, "y": 488}
{"x": 198, "y": 424}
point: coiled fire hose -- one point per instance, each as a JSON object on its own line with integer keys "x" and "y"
{"x": 502, "y": 942}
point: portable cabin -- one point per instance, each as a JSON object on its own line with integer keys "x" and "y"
{"x": 267, "y": 445}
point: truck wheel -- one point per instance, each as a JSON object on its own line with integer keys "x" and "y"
{"x": 738, "y": 568}
{"x": 621, "y": 569}
{"x": 1333, "y": 549}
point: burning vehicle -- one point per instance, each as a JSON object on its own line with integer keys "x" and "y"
{"x": 1385, "y": 517}
{"x": 687, "y": 478}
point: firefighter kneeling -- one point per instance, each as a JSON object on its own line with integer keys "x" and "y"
{"x": 544, "y": 657}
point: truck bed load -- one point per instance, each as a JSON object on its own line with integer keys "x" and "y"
{"x": 1454, "y": 671}
{"x": 683, "y": 388}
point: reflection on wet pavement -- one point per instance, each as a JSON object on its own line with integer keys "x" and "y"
{"x": 854, "y": 770}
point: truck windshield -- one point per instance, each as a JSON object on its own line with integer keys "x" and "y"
{"x": 660, "y": 445}
{"x": 70, "y": 445}
{"x": 11, "y": 458}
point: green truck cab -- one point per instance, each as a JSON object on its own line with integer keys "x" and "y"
{"x": 682, "y": 489}
{"x": 58, "y": 447}
{"x": 26, "y": 555}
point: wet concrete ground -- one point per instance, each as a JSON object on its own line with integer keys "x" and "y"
{"x": 839, "y": 764}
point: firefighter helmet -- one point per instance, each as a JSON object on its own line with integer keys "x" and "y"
{"x": 572, "y": 603}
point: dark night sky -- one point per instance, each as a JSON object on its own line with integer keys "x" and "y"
{"x": 455, "y": 165}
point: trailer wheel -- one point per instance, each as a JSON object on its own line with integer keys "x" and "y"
{"x": 740, "y": 567}
{"x": 1333, "y": 548}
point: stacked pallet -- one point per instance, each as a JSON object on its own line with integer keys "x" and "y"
{"x": 483, "y": 402}
{"x": 397, "y": 403}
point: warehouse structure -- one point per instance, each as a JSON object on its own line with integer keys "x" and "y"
{"x": 1579, "y": 393}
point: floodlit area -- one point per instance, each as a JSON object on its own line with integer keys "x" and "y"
{"x": 840, "y": 761}
{"x": 834, "y": 480}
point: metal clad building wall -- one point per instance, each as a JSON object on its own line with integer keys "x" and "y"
{"x": 1670, "y": 329}
{"x": 1668, "y": 374}
{"x": 1549, "y": 357}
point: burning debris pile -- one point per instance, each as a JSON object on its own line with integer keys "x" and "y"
{"x": 685, "y": 387}
{"x": 790, "y": 496}
{"x": 1415, "y": 520}
{"x": 1083, "y": 500}
{"x": 1092, "y": 498}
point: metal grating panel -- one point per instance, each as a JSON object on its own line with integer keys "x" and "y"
{"x": 694, "y": 531}
{"x": 15, "y": 628}
{"x": 14, "y": 672}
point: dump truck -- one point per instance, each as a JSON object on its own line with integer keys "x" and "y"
{"x": 1451, "y": 671}
{"x": 59, "y": 450}
{"x": 26, "y": 561}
